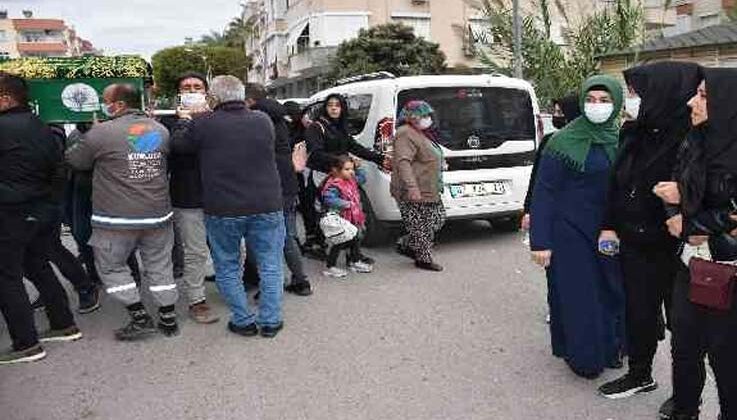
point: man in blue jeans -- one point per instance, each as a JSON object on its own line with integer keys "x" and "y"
{"x": 242, "y": 200}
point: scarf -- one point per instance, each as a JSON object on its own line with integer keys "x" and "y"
{"x": 572, "y": 144}
{"x": 350, "y": 192}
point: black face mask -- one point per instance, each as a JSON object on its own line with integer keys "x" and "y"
{"x": 559, "y": 122}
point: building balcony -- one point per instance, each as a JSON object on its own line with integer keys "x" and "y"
{"x": 311, "y": 58}
{"x": 39, "y": 25}
{"x": 42, "y": 47}
{"x": 658, "y": 17}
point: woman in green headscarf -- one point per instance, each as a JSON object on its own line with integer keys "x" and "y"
{"x": 584, "y": 287}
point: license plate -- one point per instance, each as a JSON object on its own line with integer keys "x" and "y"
{"x": 479, "y": 189}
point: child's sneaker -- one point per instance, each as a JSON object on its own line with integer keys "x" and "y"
{"x": 335, "y": 272}
{"x": 361, "y": 267}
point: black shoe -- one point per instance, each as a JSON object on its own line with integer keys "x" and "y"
{"x": 169, "y": 329}
{"x": 250, "y": 330}
{"x": 210, "y": 279}
{"x": 271, "y": 332}
{"x": 429, "y": 266}
{"x": 404, "y": 251}
{"x": 366, "y": 260}
{"x": 666, "y": 409}
{"x": 301, "y": 288}
{"x": 30, "y": 354}
{"x": 137, "y": 330}
{"x": 89, "y": 301}
{"x": 67, "y": 334}
{"x": 627, "y": 386}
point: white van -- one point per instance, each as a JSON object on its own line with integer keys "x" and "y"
{"x": 489, "y": 127}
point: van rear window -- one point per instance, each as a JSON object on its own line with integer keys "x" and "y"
{"x": 477, "y": 117}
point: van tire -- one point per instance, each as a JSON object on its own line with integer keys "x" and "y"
{"x": 377, "y": 232}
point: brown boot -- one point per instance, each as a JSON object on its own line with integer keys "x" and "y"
{"x": 202, "y": 314}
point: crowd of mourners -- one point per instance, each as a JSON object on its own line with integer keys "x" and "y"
{"x": 636, "y": 226}
{"x": 208, "y": 194}
{"x": 631, "y": 210}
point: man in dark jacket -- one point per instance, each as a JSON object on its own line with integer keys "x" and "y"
{"x": 31, "y": 183}
{"x": 256, "y": 99}
{"x": 186, "y": 197}
{"x": 242, "y": 200}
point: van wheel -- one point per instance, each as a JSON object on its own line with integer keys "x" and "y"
{"x": 377, "y": 232}
{"x": 506, "y": 224}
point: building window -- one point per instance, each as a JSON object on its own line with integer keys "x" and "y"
{"x": 4, "y": 55}
{"x": 420, "y": 25}
{"x": 3, "y": 36}
{"x": 303, "y": 42}
{"x": 683, "y": 24}
{"x": 710, "y": 20}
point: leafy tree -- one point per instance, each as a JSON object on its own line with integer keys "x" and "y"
{"x": 235, "y": 35}
{"x": 392, "y": 47}
{"x": 170, "y": 63}
{"x": 555, "y": 70}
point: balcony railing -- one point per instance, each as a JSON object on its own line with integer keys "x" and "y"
{"x": 309, "y": 58}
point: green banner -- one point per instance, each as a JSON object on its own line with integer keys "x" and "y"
{"x": 71, "y": 100}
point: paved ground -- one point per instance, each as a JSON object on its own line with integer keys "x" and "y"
{"x": 470, "y": 343}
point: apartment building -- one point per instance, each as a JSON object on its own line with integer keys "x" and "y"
{"x": 33, "y": 37}
{"x": 693, "y": 15}
{"x": 294, "y": 39}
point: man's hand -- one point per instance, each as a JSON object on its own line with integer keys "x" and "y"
{"x": 542, "y": 258}
{"x": 675, "y": 225}
{"x": 184, "y": 113}
{"x": 668, "y": 192}
{"x": 525, "y": 223}
{"x": 697, "y": 240}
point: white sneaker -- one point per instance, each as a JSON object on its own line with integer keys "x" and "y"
{"x": 361, "y": 267}
{"x": 335, "y": 272}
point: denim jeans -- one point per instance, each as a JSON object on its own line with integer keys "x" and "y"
{"x": 264, "y": 235}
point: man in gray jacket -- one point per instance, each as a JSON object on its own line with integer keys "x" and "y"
{"x": 131, "y": 207}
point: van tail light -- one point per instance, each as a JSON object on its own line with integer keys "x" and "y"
{"x": 384, "y": 139}
{"x": 540, "y": 128}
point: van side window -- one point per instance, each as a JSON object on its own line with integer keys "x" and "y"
{"x": 359, "y": 107}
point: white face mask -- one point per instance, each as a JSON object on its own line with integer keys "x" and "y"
{"x": 632, "y": 106}
{"x": 598, "y": 113}
{"x": 424, "y": 123}
{"x": 192, "y": 100}
{"x": 107, "y": 110}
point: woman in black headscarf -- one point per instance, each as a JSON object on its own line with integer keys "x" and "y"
{"x": 328, "y": 137}
{"x": 658, "y": 122}
{"x": 706, "y": 194}
{"x": 565, "y": 110}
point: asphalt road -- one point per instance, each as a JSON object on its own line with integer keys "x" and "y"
{"x": 470, "y": 343}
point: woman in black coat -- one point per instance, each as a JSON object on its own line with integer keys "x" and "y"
{"x": 649, "y": 143}
{"x": 705, "y": 193}
{"x": 565, "y": 110}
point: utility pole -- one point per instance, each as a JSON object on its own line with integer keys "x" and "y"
{"x": 517, "y": 32}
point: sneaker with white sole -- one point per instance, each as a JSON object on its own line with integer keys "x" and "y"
{"x": 30, "y": 354}
{"x": 67, "y": 334}
{"x": 335, "y": 272}
{"x": 627, "y": 386}
{"x": 361, "y": 267}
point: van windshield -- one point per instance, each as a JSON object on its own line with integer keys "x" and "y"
{"x": 476, "y": 117}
